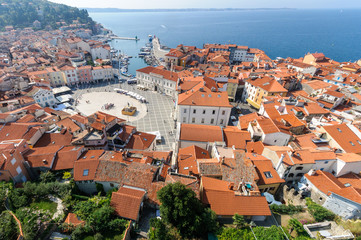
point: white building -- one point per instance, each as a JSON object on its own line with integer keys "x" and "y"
{"x": 203, "y": 106}
{"x": 243, "y": 54}
{"x": 160, "y": 80}
{"x": 100, "y": 51}
{"x": 266, "y": 131}
{"x": 101, "y": 73}
{"x": 43, "y": 96}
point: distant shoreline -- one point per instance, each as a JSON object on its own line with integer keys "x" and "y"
{"x": 110, "y": 10}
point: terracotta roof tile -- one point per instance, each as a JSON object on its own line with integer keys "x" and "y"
{"x": 227, "y": 203}
{"x": 127, "y": 202}
{"x": 201, "y": 133}
{"x": 344, "y": 137}
{"x": 187, "y": 159}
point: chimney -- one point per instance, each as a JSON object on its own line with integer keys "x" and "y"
{"x": 280, "y": 162}
{"x": 222, "y": 160}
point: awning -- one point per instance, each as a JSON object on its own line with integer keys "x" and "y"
{"x": 253, "y": 104}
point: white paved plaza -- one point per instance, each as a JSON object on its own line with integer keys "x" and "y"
{"x": 88, "y": 103}
{"x": 159, "y": 106}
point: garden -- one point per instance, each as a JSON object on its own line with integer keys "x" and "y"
{"x": 42, "y": 206}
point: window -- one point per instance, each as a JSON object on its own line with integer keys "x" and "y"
{"x": 268, "y": 174}
{"x": 214, "y": 112}
{"x": 275, "y": 141}
{"x": 184, "y": 120}
{"x": 326, "y": 162}
{"x": 339, "y": 130}
{"x": 111, "y": 184}
{"x": 321, "y": 169}
{"x": 185, "y": 111}
{"x": 18, "y": 169}
{"x": 223, "y": 112}
{"x": 85, "y": 172}
{"x": 291, "y": 175}
{"x": 352, "y": 143}
{"x": 221, "y": 121}
{"x": 272, "y": 188}
{"x": 299, "y": 168}
{"x": 299, "y": 175}
{"x": 204, "y": 111}
{"x": 13, "y": 161}
{"x": 194, "y": 111}
{"x": 193, "y": 120}
{"x": 212, "y": 120}
{"x": 202, "y": 121}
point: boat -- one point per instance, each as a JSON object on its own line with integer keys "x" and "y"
{"x": 130, "y": 111}
{"x": 126, "y": 74}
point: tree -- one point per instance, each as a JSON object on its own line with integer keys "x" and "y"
{"x": 17, "y": 198}
{"x": 239, "y": 221}
{"x": 271, "y": 233}
{"x": 180, "y": 208}
{"x": 158, "y": 230}
{"x": 233, "y": 233}
{"x": 46, "y": 177}
{"x": 8, "y": 227}
{"x": 296, "y": 225}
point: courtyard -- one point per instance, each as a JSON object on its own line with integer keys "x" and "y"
{"x": 155, "y": 115}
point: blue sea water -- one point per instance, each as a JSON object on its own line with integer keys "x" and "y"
{"x": 280, "y": 33}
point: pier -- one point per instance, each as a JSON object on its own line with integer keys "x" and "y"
{"x": 157, "y": 52}
{"x": 126, "y": 38}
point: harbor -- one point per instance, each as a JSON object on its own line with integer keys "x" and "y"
{"x": 128, "y": 56}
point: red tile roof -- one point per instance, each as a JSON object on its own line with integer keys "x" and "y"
{"x": 73, "y": 219}
{"x": 327, "y": 183}
{"x": 227, "y": 203}
{"x": 344, "y": 137}
{"x": 66, "y": 158}
{"x": 52, "y": 139}
{"x": 235, "y": 137}
{"x": 187, "y": 159}
{"x": 85, "y": 170}
{"x": 127, "y": 202}
{"x": 201, "y": 133}
{"x": 169, "y": 75}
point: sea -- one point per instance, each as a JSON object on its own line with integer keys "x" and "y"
{"x": 280, "y": 33}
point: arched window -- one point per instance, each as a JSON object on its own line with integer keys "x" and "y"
{"x": 291, "y": 175}
{"x": 299, "y": 168}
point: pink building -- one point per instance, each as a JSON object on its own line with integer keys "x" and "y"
{"x": 85, "y": 74}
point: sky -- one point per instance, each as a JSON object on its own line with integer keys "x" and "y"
{"x": 148, "y": 4}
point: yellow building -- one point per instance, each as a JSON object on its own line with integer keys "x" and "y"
{"x": 232, "y": 89}
{"x": 256, "y": 89}
{"x": 314, "y": 58}
{"x": 269, "y": 180}
{"x": 56, "y": 77}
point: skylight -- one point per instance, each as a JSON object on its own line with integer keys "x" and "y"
{"x": 339, "y": 130}
{"x": 85, "y": 172}
{"x": 268, "y": 174}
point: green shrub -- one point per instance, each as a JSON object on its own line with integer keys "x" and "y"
{"x": 286, "y": 209}
{"x": 318, "y": 212}
{"x": 297, "y": 226}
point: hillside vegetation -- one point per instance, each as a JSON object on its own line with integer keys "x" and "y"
{"x": 23, "y": 13}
